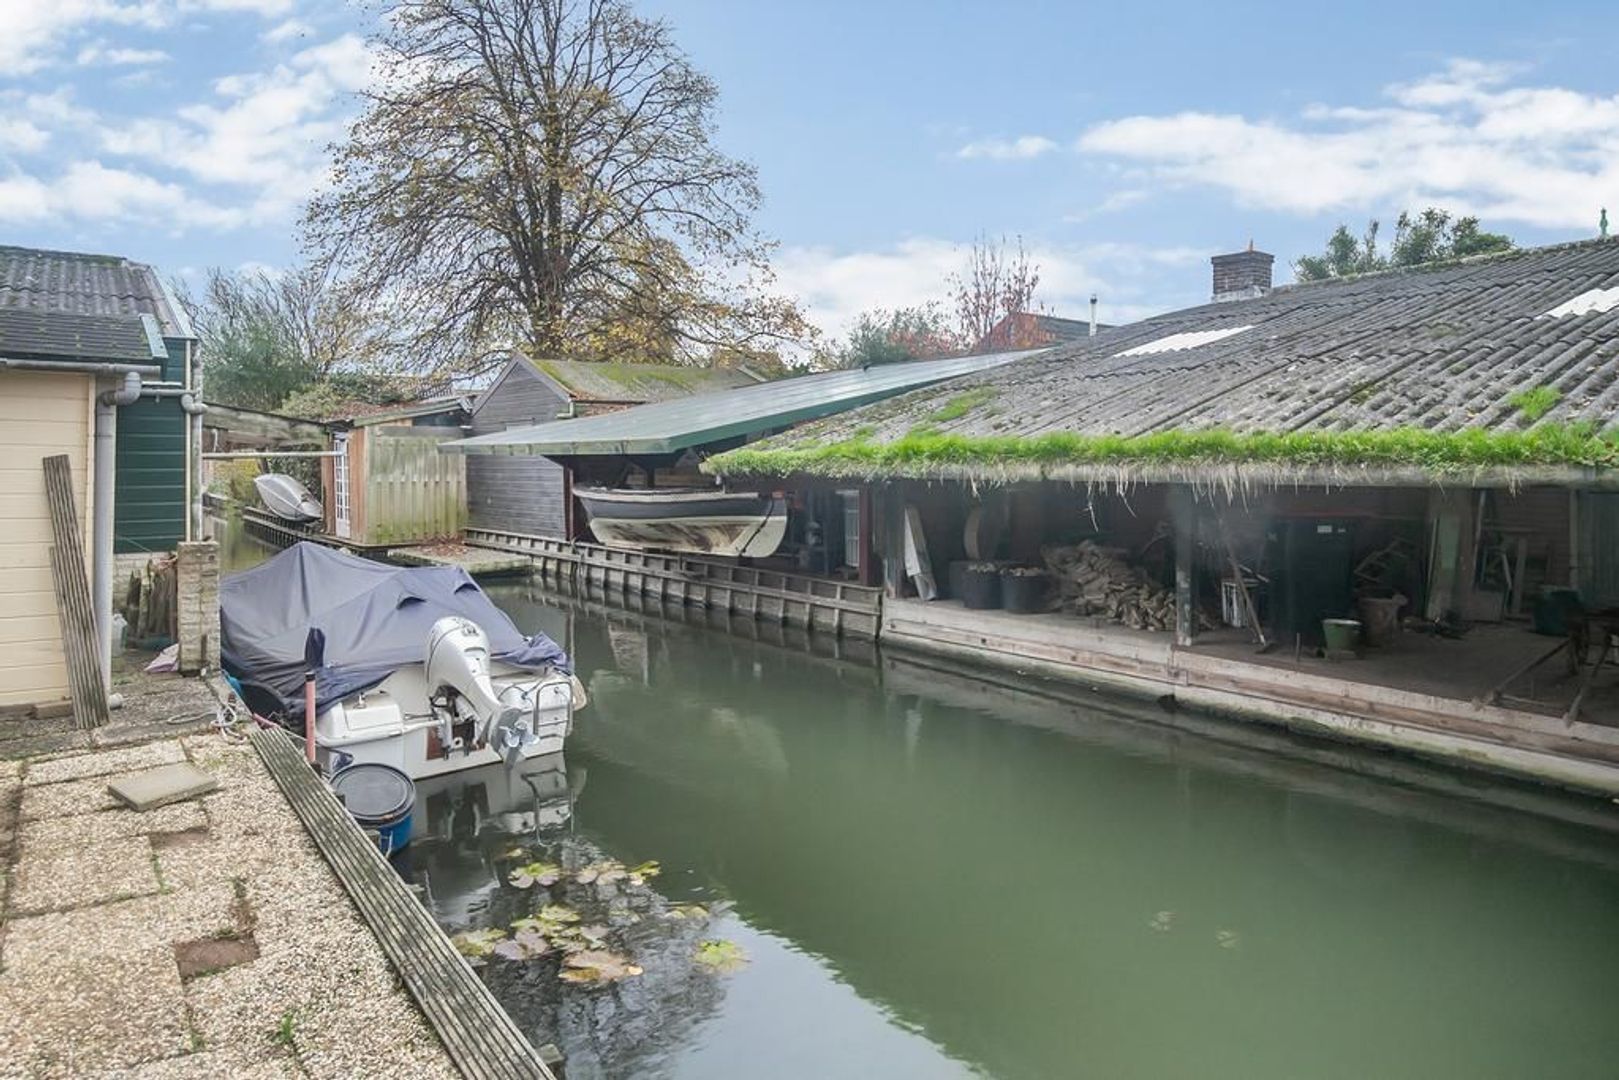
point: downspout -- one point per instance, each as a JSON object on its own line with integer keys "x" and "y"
{"x": 106, "y": 432}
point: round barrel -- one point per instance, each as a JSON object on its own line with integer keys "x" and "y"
{"x": 380, "y": 798}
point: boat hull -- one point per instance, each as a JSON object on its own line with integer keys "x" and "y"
{"x": 392, "y": 724}
{"x": 287, "y": 499}
{"x": 724, "y": 523}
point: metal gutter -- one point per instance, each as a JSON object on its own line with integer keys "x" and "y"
{"x": 81, "y": 367}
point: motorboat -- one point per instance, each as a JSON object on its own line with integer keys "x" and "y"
{"x": 287, "y": 498}
{"x": 694, "y": 521}
{"x": 413, "y": 667}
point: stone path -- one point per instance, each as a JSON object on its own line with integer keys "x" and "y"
{"x": 202, "y": 939}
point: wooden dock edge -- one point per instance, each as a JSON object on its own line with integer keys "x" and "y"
{"x": 479, "y": 1036}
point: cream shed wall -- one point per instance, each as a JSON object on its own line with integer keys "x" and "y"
{"x": 41, "y": 414}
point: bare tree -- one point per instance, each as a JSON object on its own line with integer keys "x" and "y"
{"x": 541, "y": 172}
{"x": 999, "y": 281}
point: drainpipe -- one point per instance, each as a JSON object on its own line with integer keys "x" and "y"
{"x": 1093, "y": 315}
{"x": 107, "y": 403}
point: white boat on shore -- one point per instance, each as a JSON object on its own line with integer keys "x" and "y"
{"x": 691, "y": 521}
{"x": 413, "y": 667}
{"x": 287, "y": 498}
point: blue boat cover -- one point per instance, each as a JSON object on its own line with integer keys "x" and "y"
{"x": 374, "y": 618}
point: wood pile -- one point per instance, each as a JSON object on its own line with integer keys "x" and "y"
{"x": 150, "y": 603}
{"x": 1095, "y": 580}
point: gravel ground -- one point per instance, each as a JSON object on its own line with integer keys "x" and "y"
{"x": 96, "y": 898}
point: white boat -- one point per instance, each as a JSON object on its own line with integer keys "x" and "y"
{"x": 414, "y": 667}
{"x": 286, "y": 498}
{"x": 693, "y": 521}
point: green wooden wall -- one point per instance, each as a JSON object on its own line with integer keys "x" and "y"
{"x": 149, "y": 509}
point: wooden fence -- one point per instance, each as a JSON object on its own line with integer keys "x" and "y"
{"x": 412, "y": 492}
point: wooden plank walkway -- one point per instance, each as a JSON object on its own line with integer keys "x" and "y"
{"x": 480, "y": 1037}
{"x": 822, "y": 604}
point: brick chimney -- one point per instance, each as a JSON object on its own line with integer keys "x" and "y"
{"x": 1242, "y": 275}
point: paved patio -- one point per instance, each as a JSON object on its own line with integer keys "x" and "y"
{"x": 202, "y": 939}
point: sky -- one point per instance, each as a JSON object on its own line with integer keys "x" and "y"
{"x": 1123, "y": 143}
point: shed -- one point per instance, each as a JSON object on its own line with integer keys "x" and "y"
{"x": 530, "y": 494}
{"x": 52, "y": 365}
{"x": 157, "y": 476}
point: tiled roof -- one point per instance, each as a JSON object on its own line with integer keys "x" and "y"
{"x": 1442, "y": 348}
{"x": 44, "y": 335}
{"x": 640, "y": 383}
{"x": 77, "y": 283}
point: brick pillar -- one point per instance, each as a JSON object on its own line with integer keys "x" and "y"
{"x": 197, "y": 578}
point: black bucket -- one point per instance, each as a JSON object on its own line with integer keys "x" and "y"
{"x": 956, "y": 581}
{"x": 981, "y": 587}
{"x": 1023, "y": 593}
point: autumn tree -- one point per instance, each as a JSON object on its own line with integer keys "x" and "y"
{"x": 890, "y": 336}
{"x": 999, "y": 280}
{"x": 269, "y": 338}
{"x": 542, "y": 173}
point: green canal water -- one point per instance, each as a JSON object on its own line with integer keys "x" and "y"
{"x": 935, "y": 876}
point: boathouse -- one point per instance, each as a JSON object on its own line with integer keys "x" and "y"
{"x": 662, "y": 445}
{"x": 1385, "y": 507}
{"x": 530, "y": 494}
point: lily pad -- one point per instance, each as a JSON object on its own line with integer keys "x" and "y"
{"x": 639, "y": 875}
{"x": 558, "y": 913}
{"x": 477, "y": 943}
{"x": 688, "y": 911}
{"x": 597, "y": 967}
{"x": 523, "y": 945}
{"x": 720, "y": 955}
{"x": 536, "y": 873}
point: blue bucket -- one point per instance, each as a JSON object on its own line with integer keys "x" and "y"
{"x": 380, "y": 798}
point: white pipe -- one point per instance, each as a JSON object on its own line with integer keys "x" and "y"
{"x": 107, "y": 403}
{"x": 1093, "y": 315}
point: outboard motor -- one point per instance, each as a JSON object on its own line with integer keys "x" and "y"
{"x": 458, "y": 660}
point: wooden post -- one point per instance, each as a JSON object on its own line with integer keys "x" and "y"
{"x": 1184, "y": 514}
{"x": 866, "y": 562}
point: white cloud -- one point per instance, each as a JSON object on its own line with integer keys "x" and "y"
{"x": 267, "y": 131}
{"x": 22, "y": 136}
{"x": 90, "y": 191}
{"x": 287, "y": 30}
{"x": 33, "y": 30}
{"x": 100, "y": 54}
{"x": 34, "y": 27}
{"x": 834, "y": 287}
{"x": 1464, "y": 137}
{"x": 1020, "y": 148}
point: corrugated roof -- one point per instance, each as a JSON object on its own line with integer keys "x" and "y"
{"x": 638, "y": 383}
{"x": 670, "y": 426}
{"x": 78, "y": 283}
{"x": 1442, "y": 348}
{"x": 50, "y": 335}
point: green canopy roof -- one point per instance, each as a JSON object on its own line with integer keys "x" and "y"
{"x": 671, "y": 426}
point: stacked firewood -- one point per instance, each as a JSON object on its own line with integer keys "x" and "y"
{"x": 149, "y": 601}
{"x": 1094, "y": 580}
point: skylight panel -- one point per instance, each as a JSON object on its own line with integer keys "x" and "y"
{"x": 1591, "y": 301}
{"x": 1191, "y": 339}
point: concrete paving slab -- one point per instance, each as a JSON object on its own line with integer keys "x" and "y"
{"x": 53, "y": 878}
{"x": 112, "y": 824}
{"x": 69, "y": 797}
{"x": 159, "y": 787}
{"x": 76, "y": 766}
{"x": 75, "y": 1015}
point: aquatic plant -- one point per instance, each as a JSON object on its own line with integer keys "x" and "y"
{"x": 597, "y": 967}
{"x": 477, "y": 944}
{"x": 720, "y": 955}
{"x": 535, "y": 873}
{"x": 525, "y": 944}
